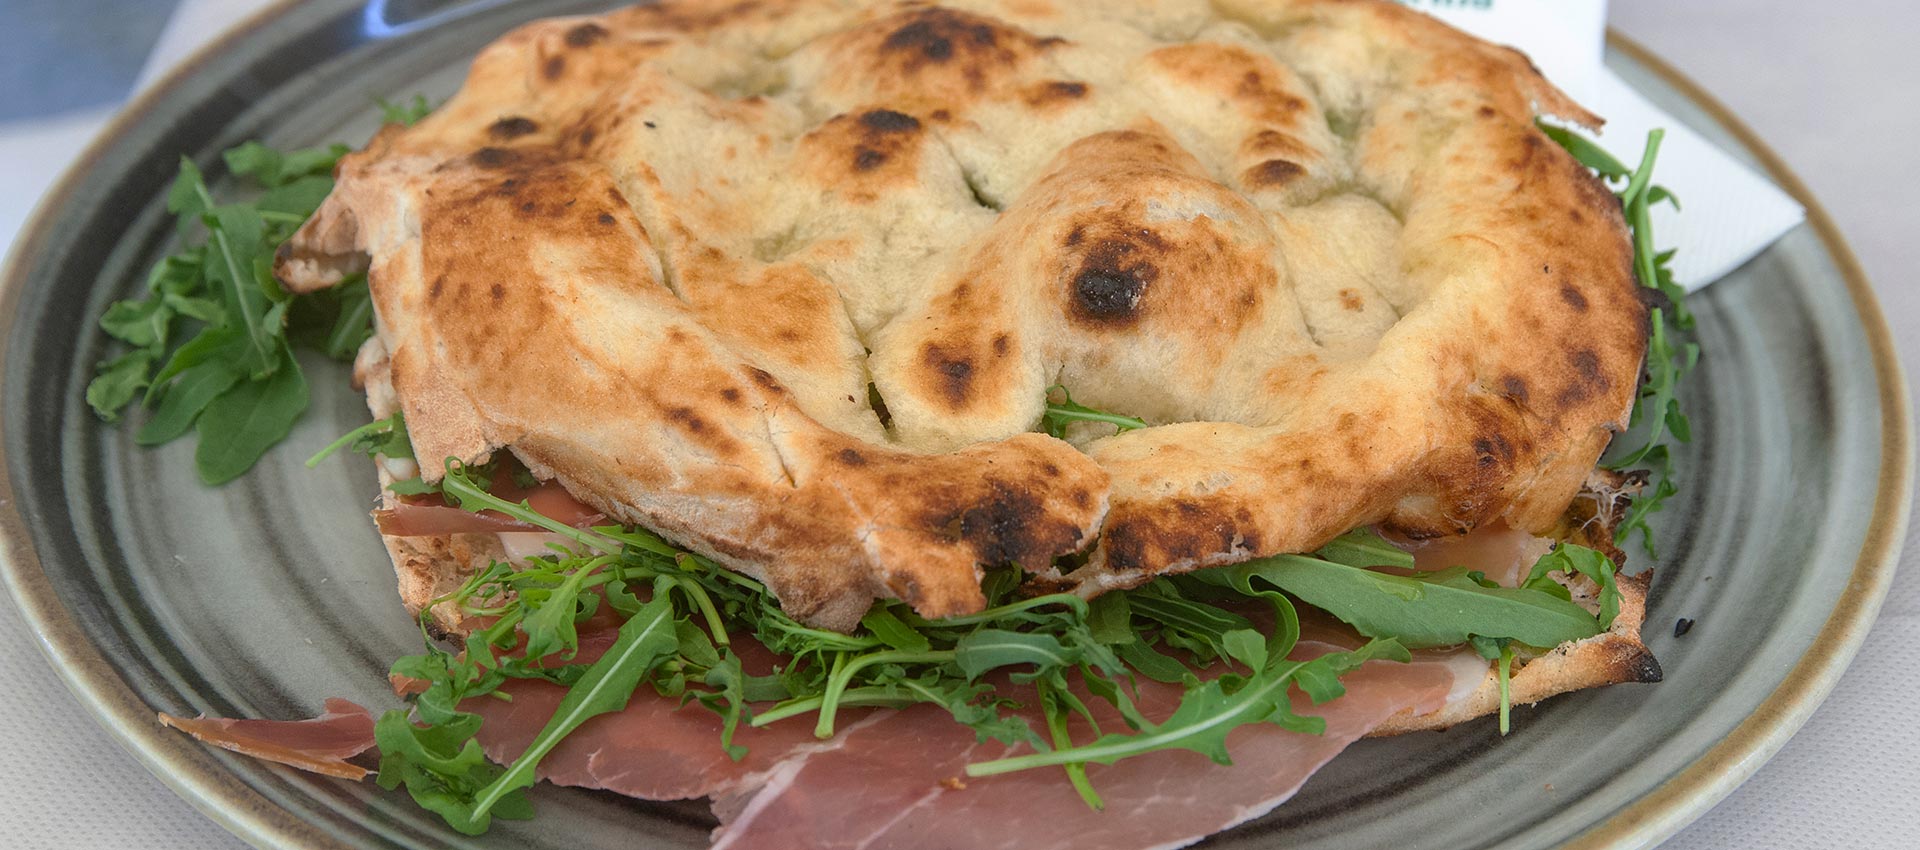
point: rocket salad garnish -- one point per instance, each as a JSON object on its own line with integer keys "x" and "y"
{"x": 1182, "y": 628}
{"x": 1657, "y": 417}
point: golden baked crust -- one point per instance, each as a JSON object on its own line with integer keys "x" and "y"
{"x": 660, "y": 253}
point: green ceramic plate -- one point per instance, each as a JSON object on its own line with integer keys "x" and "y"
{"x": 261, "y": 598}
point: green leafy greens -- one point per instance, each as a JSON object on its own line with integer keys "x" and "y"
{"x": 1060, "y": 414}
{"x": 683, "y": 614}
{"x": 1657, "y": 416}
{"x": 1217, "y": 707}
{"x": 1424, "y": 610}
{"x": 406, "y": 112}
{"x": 211, "y": 342}
{"x": 379, "y": 438}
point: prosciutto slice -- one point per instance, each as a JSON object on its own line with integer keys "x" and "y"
{"x": 656, "y": 749}
{"x": 898, "y": 778}
{"x": 428, "y": 515}
{"x": 888, "y": 779}
{"x": 320, "y": 744}
{"x": 1504, "y": 554}
{"x": 899, "y": 781}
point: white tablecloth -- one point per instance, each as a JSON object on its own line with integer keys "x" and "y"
{"x": 1829, "y": 86}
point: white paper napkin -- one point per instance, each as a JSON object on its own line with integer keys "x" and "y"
{"x": 1730, "y": 212}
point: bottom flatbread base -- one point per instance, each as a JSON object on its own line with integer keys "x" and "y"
{"x": 1614, "y": 657}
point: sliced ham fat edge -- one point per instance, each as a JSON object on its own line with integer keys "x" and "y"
{"x": 427, "y": 515}
{"x": 1504, "y": 554}
{"x": 321, "y": 744}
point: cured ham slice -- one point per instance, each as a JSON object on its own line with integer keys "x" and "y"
{"x": 898, "y": 778}
{"x": 656, "y": 749}
{"x": 888, "y": 779}
{"x": 427, "y": 516}
{"x": 899, "y": 782}
{"x": 321, "y": 744}
{"x": 1503, "y": 553}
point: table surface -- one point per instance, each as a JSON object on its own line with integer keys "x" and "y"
{"x": 1812, "y": 84}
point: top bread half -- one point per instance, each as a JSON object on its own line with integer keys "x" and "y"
{"x": 788, "y": 281}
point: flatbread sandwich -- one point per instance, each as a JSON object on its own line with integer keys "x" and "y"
{"x": 1016, "y": 421}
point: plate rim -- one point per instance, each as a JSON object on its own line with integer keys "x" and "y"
{"x": 131, "y": 724}
{"x": 1668, "y": 807}
{"x": 189, "y": 771}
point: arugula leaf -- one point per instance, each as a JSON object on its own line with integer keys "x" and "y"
{"x": 1443, "y": 608}
{"x": 989, "y": 649}
{"x": 1499, "y": 651}
{"x": 140, "y": 323}
{"x": 443, "y": 768}
{"x": 1153, "y": 664}
{"x": 188, "y": 198}
{"x": 238, "y": 426}
{"x": 352, "y": 321}
{"x": 273, "y": 168}
{"x": 645, "y": 640}
{"x": 176, "y": 275}
{"x": 294, "y": 202}
{"x": 1206, "y": 714}
{"x": 730, "y": 684}
{"x": 230, "y": 377}
{"x": 1364, "y": 547}
{"x": 1319, "y": 678}
{"x": 1586, "y": 152}
{"x": 846, "y": 667}
{"x": 1110, "y": 619}
{"x": 379, "y": 438}
{"x": 1207, "y": 622}
{"x": 334, "y": 321}
{"x": 883, "y": 624}
{"x": 197, "y": 388}
{"x": 234, "y": 236}
{"x": 116, "y": 382}
{"x": 549, "y": 626}
{"x": 1286, "y": 619}
{"x": 1064, "y": 412}
{"x": 1572, "y": 559}
{"x": 1197, "y": 627}
{"x": 406, "y": 112}
{"x": 215, "y": 343}
{"x": 1657, "y": 416}
{"x": 1246, "y": 646}
{"x": 1055, "y": 703}
{"x": 463, "y": 491}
